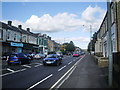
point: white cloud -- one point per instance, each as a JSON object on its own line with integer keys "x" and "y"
{"x": 93, "y": 16}
{"x": 76, "y": 39}
{"x": 65, "y": 21}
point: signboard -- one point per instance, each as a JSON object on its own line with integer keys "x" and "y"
{"x": 16, "y": 44}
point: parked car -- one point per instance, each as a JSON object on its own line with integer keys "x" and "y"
{"x": 59, "y": 54}
{"x": 76, "y": 54}
{"x": 82, "y": 53}
{"x": 30, "y": 56}
{"x": 5, "y": 56}
{"x": 18, "y": 58}
{"x": 69, "y": 53}
{"x": 39, "y": 56}
{"x": 52, "y": 59}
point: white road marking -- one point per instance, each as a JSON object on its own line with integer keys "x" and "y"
{"x": 40, "y": 81}
{"x": 66, "y": 77}
{"x": 38, "y": 65}
{"x": 10, "y": 70}
{"x": 61, "y": 68}
{"x": 26, "y": 66}
{"x": 74, "y": 59}
{"x": 71, "y": 69}
{"x": 69, "y": 62}
{"x": 3, "y": 69}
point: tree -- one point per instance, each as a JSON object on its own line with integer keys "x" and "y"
{"x": 70, "y": 47}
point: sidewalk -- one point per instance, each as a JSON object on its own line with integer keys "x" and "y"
{"x": 86, "y": 75}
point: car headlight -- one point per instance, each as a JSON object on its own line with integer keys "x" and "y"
{"x": 54, "y": 60}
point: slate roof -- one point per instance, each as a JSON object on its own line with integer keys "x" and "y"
{"x": 6, "y": 26}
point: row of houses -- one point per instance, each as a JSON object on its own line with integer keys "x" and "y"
{"x": 100, "y": 41}
{"x": 16, "y": 39}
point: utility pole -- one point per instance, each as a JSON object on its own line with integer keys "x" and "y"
{"x": 110, "y": 66}
{"x": 90, "y": 38}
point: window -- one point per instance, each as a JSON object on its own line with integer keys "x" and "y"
{"x": 112, "y": 13}
{"x": 14, "y": 36}
{"x": 8, "y": 35}
{"x": 0, "y": 33}
{"x": 24, "y": 39}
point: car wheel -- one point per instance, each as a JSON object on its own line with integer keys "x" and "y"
{"x": 45, "y": 64}
{"x": 20, "y": 62}
{"x": 57, "y": 64}
{"x": 28, "y": 61}
{"x": 9, "y": 63}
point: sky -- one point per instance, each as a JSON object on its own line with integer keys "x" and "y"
{"x": 62, "y": 21}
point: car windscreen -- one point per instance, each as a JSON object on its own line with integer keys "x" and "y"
{"x": 22, "y": 55}
{"x": 76, "y": 53}
{"x": 52, "y": 56}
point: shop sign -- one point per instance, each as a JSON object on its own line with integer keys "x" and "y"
{"x": 16, "y": 44}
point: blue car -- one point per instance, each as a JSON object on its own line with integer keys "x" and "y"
{"x": 18, "y": 58}
{"x": 52, "y": 59}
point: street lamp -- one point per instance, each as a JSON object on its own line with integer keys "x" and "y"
{"x": 110, "y": 65}
{"x": 90, "y": 38}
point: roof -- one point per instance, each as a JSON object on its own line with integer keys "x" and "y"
{"x": 6, "y": 26}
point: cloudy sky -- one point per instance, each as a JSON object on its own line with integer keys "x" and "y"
{"x": 63, "y": 21}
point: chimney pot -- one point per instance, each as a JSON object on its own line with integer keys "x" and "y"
{"x": 28, "y": 29}
{"x": 20, "y": 26}
{"x": 10, "y": 23}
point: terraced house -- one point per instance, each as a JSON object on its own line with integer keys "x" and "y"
{"x": 102, "y": 42}
{"x": 16, "y": 39}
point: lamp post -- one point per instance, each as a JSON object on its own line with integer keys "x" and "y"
{"x": 90, "y": 38}
{"x": 110, "y": 61}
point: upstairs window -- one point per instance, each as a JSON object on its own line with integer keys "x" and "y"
{"x": 15, "y": 37}
{"x": 112, "y": 13}
{"x": 8, "y": 35}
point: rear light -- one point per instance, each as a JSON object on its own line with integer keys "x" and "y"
{"x": 17, "y": 58}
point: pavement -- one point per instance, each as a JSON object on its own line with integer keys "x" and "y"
{"x": 86, "y": 75}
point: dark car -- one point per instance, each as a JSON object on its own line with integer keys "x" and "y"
{"x": 59, "y": 54}
{"x": 82, "y": 53}
{"x": 18, "y": 58}
{"x": 30, "y": 56}
{"x": 52, "y": 59}
{"x": 5, "y": 56}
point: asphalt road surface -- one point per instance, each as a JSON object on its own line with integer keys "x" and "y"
{"x": 35, "y": 75}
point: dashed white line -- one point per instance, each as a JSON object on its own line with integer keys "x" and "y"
{"x": 69, "y": 63}
{"x": 3, "y": 69}
{"x": 38, "y": 65}
{"x": 40, "y": 81}
{"x": 61, "y": 68}
{"x": 10, "y": 70}
{"x": 69, "y": 72}
{"x": 26, "y": 66}
{"x": 74, "y": 59}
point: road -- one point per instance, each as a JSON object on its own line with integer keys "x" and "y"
{"x": 35, "y": 75}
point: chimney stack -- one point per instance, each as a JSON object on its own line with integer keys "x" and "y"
{"x": 28, "y": 29}
{"x": 20, "y": 26}
{"x": 10, "y": 23}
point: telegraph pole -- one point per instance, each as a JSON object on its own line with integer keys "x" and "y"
{"x": 90, "y": 38}
{"x": 110, "y": 66}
